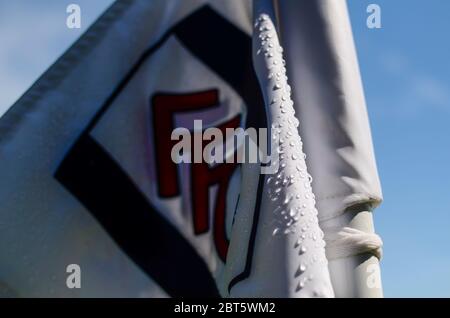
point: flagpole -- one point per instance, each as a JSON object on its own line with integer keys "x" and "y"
{"x": 356, "y": 275}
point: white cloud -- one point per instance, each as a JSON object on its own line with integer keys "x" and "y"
{"x": 431, "y": 91}
{"x": 419, "y": 91}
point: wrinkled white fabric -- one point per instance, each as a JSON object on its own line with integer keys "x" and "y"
{"x": 346, "y": 241}
{"x": 329, "y": 101}
{"x": 289, "y": 233}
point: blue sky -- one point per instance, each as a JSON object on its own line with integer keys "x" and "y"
{"x": 406, "y": 74}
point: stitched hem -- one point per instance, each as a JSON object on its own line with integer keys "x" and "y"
{"x": 51, "y": 78}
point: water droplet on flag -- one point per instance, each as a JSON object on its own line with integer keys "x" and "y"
{"x": 287, "y": 199}
{"x": 292, "y": 212}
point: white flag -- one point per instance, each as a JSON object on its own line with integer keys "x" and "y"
{"x": 87, "y": 176}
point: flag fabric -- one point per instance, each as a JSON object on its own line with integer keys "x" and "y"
{"x": 329, "y": 102}
{"x": 328, "y": 97}
{"x": 87, "y": 176}
{"x": 289, "y": 242}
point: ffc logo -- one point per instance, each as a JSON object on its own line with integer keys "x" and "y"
{"x": 90, "y": 174}
{"x": 165, "y": 107}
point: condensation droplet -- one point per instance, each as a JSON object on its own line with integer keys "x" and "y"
{"x": 292, "y": 212}
{"x": 287, "y": 199}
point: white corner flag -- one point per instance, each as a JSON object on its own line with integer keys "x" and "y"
{"x": 88, "y": 181}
